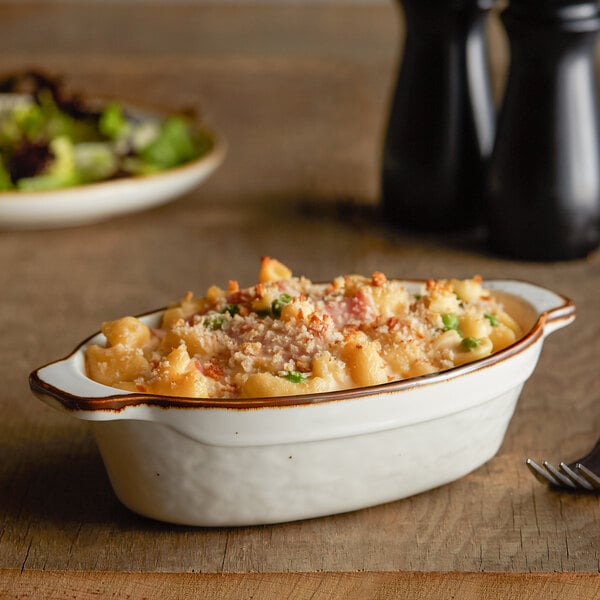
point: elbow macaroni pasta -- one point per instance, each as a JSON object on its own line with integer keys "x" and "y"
{"x": 288, "y": 336}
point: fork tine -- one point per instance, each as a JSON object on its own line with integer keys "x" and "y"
{"x": 561, "y": 477}
{"x": 541, "y": 474}
{"x": 575, "y": 477}
{"x": 590, "y": 476}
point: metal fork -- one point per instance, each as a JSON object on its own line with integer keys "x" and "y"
{"x": 580, "y": 475}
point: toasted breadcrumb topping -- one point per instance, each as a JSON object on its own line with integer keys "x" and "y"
{"x": 287, "y": 335}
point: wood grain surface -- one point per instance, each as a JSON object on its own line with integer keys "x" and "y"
{"x": 300, "y": 92}
{"x": 35, "y": 585}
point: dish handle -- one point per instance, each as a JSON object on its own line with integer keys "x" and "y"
{"x": 553, "y": 310}
{"x": 51, "y": 382}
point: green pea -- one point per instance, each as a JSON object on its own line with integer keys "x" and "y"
{"x": 215, "y": 322}
{"x": 278, "y": 304}
{"x": 232, "y": 309}
{"x": 450, "y": 321}
{"x": 469, "y": 343}
{"x": 492, "y": 319}
{"x": 295, "y": 376}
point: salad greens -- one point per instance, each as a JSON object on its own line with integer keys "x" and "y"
{"x": 49, "y": 140}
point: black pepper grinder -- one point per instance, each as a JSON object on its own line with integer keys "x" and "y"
{"x": 544, "y": 178}
{"x": 441, "y": 123}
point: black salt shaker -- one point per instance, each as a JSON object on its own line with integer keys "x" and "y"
{"x": 544, "y": 179}
{"x": 441, "y": 122}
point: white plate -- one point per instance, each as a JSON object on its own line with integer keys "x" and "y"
{"x": 100, "y": 201}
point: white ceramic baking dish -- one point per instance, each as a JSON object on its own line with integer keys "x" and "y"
{"x": 265, "y": 460}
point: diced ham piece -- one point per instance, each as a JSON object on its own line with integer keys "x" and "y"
{"x": 349, "y": 310}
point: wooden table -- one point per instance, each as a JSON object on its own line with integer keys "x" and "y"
{"x": 300, "y": 92}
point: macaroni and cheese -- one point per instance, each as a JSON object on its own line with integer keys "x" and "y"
{"x": 287, "y": 335}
